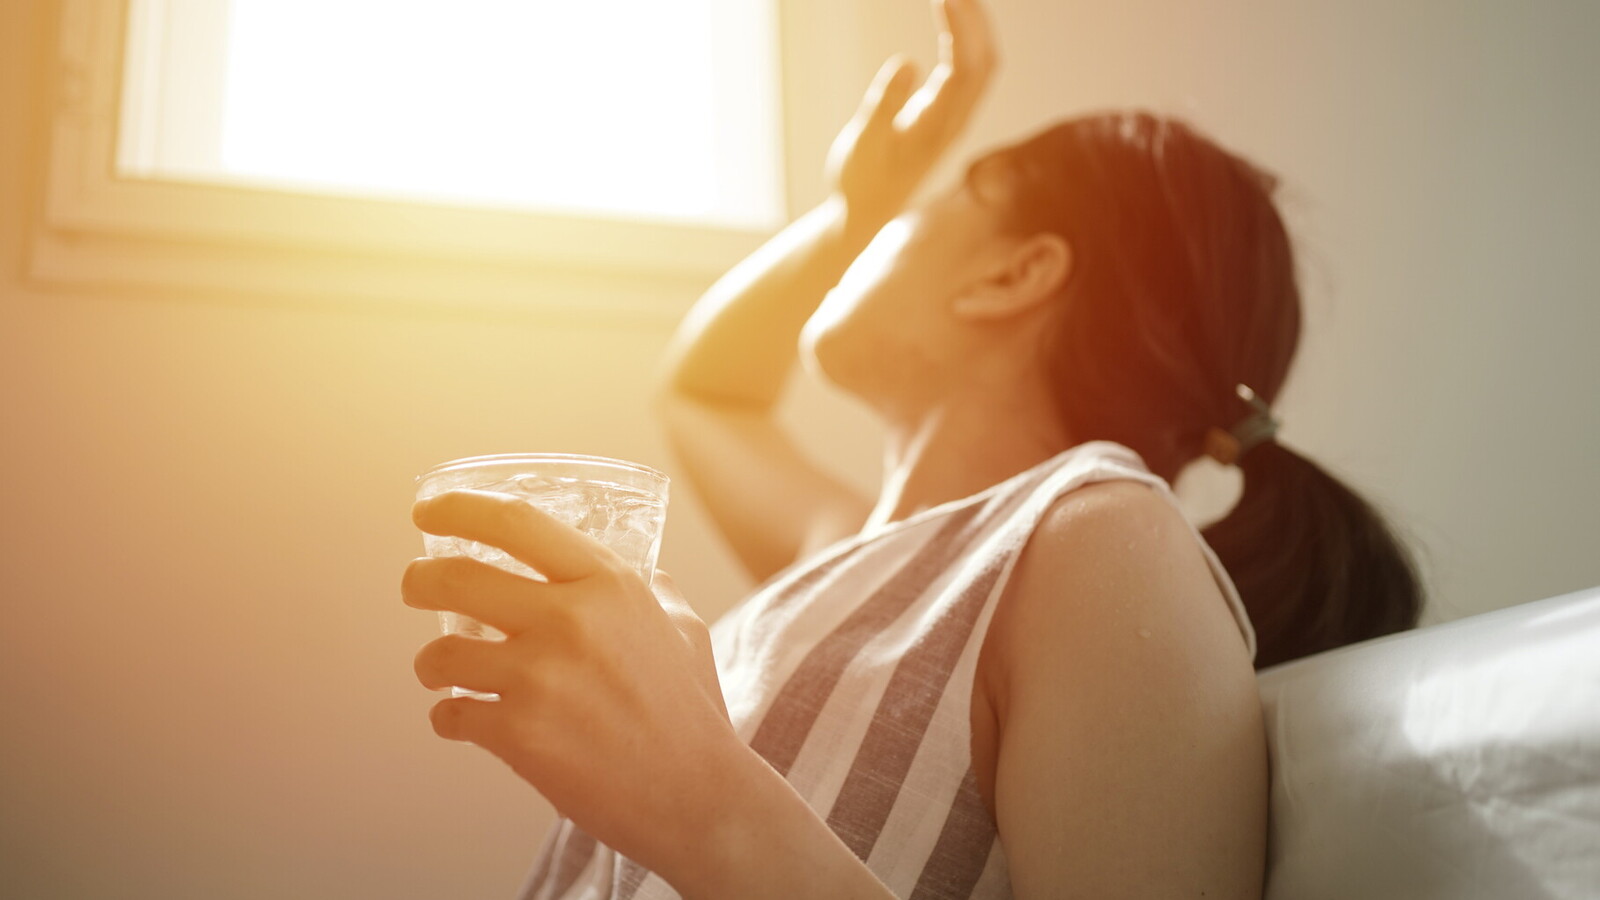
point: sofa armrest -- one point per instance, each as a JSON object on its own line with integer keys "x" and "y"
{"x": 1457, "y": 761}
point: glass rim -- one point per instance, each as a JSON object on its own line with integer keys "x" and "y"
{"x": 471, "y": 462}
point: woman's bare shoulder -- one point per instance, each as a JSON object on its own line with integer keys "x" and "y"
{"x": 1117, "y": 557}
{"x": 1127, "y": 719}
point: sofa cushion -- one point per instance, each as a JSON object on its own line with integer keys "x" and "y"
{"x": 1457, "y": 761}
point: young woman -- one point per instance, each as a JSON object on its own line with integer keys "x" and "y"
{"x": 1019, "y": 671}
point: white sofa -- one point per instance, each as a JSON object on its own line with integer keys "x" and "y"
{"x": 1459, "y": 761}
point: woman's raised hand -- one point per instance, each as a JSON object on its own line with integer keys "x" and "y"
{"x": 897, "y": 136}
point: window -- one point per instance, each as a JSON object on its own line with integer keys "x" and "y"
{"x": 407, "y": 149}
{"x": 619, "y": 108}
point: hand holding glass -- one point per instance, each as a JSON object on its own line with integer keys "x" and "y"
{"x": 620, "y": 504}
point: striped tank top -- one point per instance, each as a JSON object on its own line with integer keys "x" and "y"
{"x": 851, "y": 673}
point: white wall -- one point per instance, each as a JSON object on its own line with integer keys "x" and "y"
{"x": 205, "y": 682}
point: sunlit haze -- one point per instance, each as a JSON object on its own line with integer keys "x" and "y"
{"x": 629, "y": 107}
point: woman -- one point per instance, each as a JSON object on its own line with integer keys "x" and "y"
{"x": 1019, "y": 671}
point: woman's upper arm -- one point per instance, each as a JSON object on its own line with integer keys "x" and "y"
{"x": 1132, "y": 760}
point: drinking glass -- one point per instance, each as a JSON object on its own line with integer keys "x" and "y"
{"x": 621, "y": 504}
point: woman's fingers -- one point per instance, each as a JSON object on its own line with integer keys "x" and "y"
{"x": 466, "y": 719}
{"x": 888, "y": 93}
{"x": 456, "y": 661}
{"x": 493, "y": 596}
{"x": 966, "y": 42}
{"x": 966, "y": 62}
{"x": 553, "y": 548}
{"x": 900, "y": 130}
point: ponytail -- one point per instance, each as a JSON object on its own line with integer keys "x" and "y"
{"x": 1315, "y": 565}
{"x": 1183, "y": 288}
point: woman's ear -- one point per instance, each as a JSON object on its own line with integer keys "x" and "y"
{"x": 1034, "y": 270}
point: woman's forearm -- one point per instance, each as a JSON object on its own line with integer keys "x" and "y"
{"x": 765, "y": 841}
{"x": 737, "y": 344}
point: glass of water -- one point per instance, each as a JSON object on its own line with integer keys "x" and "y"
{"x": 620, "y": 504}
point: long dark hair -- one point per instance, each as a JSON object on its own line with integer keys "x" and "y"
{"x": 1183, "y": 286}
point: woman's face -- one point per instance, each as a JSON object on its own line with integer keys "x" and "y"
{"x": 889, "y": 332}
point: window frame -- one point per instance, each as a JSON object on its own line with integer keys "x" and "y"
{"x": 95, "y": 227}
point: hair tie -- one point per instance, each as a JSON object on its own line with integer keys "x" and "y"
{"x": 1227, "y": 447}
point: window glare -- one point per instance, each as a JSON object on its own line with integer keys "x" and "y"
{"x": 636, "y": 108}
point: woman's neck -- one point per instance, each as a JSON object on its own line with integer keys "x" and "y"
{"x": 965, "y": 444}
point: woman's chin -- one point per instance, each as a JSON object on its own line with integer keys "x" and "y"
{"x": 825, "y": 355}
{"x": 819, "y": 356}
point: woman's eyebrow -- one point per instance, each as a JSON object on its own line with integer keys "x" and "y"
{"x": 970, "y": 178}
{"x": 993, "y": 157}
